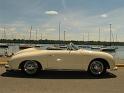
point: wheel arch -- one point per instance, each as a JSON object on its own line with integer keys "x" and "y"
{"x": 23, "y": 62}
{"x": 105, "y": 62}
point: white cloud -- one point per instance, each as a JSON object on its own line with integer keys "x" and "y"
{"x": 51, "y": 12}
{"x": 104, "y": 15}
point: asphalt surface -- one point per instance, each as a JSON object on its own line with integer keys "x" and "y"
{"x": 61, "y": 82}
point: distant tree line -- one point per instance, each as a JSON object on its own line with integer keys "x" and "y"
{"x": 22, "y": 41}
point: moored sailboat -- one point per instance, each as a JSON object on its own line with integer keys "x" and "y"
{"x": 110, "y": 48}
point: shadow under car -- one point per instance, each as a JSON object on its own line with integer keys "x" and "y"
{"x": 58, "y": 75}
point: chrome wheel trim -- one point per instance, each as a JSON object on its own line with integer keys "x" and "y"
{"x": 96, "y": 67}
{"x": 30, "y": 67}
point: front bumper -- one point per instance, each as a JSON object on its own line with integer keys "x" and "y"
{"x": 115, "y": 68}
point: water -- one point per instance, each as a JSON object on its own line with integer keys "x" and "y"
{"x": 15, "y": 48}
{"x": 120, "y": 52}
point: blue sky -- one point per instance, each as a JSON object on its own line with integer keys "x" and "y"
{"x": 77, "y": 18}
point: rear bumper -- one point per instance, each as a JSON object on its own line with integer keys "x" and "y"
{"x": 8, "y": 68}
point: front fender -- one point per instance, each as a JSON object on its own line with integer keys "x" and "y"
{"x": 99, "y": 55}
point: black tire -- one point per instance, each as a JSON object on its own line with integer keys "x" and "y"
{"x": 97, "y": 68}
{"x": 31, "y": 67}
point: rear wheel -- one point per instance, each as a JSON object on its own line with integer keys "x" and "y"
{"x": 97, "y": 68}
{"x": 31, "y": 67}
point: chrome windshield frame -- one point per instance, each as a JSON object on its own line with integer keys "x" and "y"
{"x": 71, "y": 46}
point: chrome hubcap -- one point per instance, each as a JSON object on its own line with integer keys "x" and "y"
{"x": 96, "y": 67}
{"x": 30, "y": 67}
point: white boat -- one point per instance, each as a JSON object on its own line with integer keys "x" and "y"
{"x": 62, "y": 46}
{"x": 57, "y": 47}
{"x": 95, "y": 47}
{"x": 53, "y": 48}
{"x": 24, "y": 46}
{"x": 3, "y": 45}
{"x": 108, "y": 49}
{"x": 38, "y": 46}
{"x": 84, "y": 46}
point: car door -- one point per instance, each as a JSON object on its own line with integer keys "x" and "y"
{"x": 66, "y": 59}
{"x": 75, "y": 59}
{"x": 57, "y": 59}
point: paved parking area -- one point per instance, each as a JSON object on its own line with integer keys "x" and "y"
{"x": 61, "y": 82}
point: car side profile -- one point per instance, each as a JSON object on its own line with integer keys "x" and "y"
{"x": 33, "y": 60}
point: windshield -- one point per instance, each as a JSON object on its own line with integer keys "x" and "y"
{"x": 71, "y": 46}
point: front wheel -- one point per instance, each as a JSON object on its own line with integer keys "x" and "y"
{"x": 30, "y": 67}
{"x": 97, "y": 68}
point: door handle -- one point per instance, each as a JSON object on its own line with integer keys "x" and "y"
{"x": 59, "y": 60}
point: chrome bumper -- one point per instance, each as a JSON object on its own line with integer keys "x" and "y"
{"x": 115, "y": 68}
{"x": 8, "y": 68}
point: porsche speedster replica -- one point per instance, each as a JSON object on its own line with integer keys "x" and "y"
{"x": 33, "y": 60}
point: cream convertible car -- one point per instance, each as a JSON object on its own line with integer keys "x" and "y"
{"x": 32, "y": 60}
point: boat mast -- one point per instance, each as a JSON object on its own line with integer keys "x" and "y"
{"x": 36, "y": 34}
{"x": 59, "y": 29}
{"x": 99, "y": 37}
{"x": 4, "y": 36}
{"x": 88, "y": 36}
{"x": 41, "y": 36}
{"x": 99, "y": 34}
{"x": 64, "y": 35}
{"x": 110, "y": 34}
{"x": 83, "y": 37}
{"x": 116, "y": 38}
{"x": 30, "y": 35}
